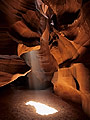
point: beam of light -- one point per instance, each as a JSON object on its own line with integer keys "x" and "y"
{"x": 42, "y": 109}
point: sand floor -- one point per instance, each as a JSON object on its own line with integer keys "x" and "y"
{"x": 12, "y": 105}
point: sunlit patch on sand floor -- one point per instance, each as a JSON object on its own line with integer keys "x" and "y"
{"x": 42, "y": 109}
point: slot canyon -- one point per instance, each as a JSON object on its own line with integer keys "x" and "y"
{"x": 44, "y": 59}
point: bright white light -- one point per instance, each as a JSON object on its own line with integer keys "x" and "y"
{"x": 42, "y": 109}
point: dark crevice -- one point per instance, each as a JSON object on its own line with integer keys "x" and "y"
{"x": 66, "y": 63}
{"x": 65, "y": 19}
{"x": 77, "y": 84}
{"x": 68, "y": 18}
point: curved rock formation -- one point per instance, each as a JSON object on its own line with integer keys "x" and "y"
{"x": 73, "y": 42}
